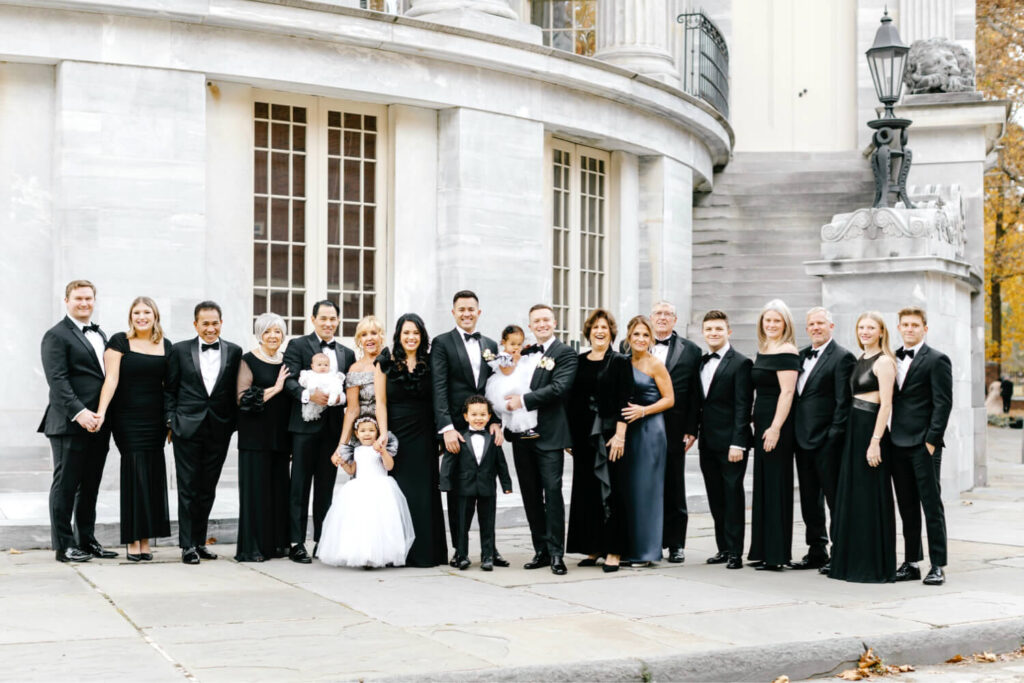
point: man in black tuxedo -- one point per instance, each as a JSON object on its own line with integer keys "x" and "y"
{"x": 313, "y": 442}
{"x": 539, "y": 462}
{"x": 458, "y": 369}
{"x": 682, "y": 359}
{"x": 726, "y": 400}
{"x": 72, "y": 353}
{"x": 920, "y": 412}
{"x": 201, "y": 407}
{"x": 820, "y": 413}
{"x": 1006, "y": 393}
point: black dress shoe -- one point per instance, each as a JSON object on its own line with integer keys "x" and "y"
{"x": 908, "y": 572}
{"x": 133, "y": 557}
{"x": 72, "y": 555}
{"x": 204, "y": 553}
{"x": 825, "y": 568}
{"x": 500, "y": 561}
{"x": 609, "y": 568}
{"x": 316, "y": 548}
{"x": 587, "y": 562}
{"x": 936, "y": 577}
{"x": 454, "y": 562}
{"x": 676, "y": 555}
{"x": 558, "y": 565}
{"x": 189, "y": 556}
{"x": 146, "y": 557}
{"x": 539, "y": 560}
{"x": 734, "y": 562}
{"x": 463, "y": 563}
{"x": 487, "y": 564}
{"x": 808, "y": 562}
{"x": 764, "y": 567}
{"x": 96, "y": 550}
{"x": 718, "y": 558}
{"x": 298, "y": 554}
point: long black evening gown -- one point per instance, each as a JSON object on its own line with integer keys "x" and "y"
{"x": 137, "y": 421}
{"x": 646, "y": 450}
{"x": 600, "y": 391}
{"x": 771, "y": 516}
{"x": 864, "y": 543}
{"x": 264, "y": 445}
{"x": 411, "y": 420}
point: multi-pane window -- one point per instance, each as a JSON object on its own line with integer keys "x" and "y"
{"x": 316, "y": 208}
{"x": 566, "y": 24}
{"x": 579, "y": 234}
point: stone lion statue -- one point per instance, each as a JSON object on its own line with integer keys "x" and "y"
{"x": 939, "y": 65}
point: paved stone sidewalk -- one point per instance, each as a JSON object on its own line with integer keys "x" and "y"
{"x": 223, "y": 621}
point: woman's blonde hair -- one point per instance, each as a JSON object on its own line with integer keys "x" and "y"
{"x": 788, "y": 335}
{"x": 367, "y": 324}
{"x": 636, "y": 321}
{"x": 883, "y": 340}
{"x": 157, "y": 333}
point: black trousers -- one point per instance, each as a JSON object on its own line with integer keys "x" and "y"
{"x": 915, "y": 478}
{"x": 673, "y": 533}
{"x": 485, "y": 508}
{"x": 1007, "y": 400}
{"x": 540, "y": 483}
{"x": 77, "y": 469}
{"x": 724, "y": 483}
{"x": 198, "y": 462}
{"x": 312, "y": 466}
{"x": 818, "y": 473}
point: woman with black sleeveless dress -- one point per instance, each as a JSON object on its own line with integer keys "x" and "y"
{"x": 864, "y": 547}
{"x": 602, "y": 388}
{"x": 264, "y": 446}
{"x": 408, "y": 396}
{"x": 133, "y": 392}
{"x": 774, "y": 376}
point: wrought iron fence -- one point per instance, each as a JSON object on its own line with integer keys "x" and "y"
{"x": 705, "y": 61}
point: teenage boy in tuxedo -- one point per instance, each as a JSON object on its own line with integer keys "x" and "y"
{"x": 72, "y": 354}
{"x": 820, "y": 413}
{"x": 726, "y": 400}
{"x": 920, "y": 413}
{"x": 314, "y": 442}
{"x": 201, "y": 407}
{"x": 470, "y": 474}
{"x": 459, "y": 369}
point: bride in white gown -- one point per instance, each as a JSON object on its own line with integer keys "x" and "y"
{"x": 994, "y": 399}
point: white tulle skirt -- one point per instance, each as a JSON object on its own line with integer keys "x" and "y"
{"x": 368, "y": 525}
{"x": 498, "y": 387}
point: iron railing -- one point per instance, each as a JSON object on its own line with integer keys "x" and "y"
{"x": 705, "y": 61}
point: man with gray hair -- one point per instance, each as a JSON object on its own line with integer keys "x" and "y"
{"x": 820, "y": 413}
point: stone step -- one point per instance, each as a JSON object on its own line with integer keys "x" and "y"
{"x": 794, "y": 249}
{"x": 825, "y": 203}
{"x": 808, "y": 233}
{"x": 741, "y": 263}
{"x": 791, "y": 184}
{"x": 797, "y": 290}
{"x": 796, "y": 162}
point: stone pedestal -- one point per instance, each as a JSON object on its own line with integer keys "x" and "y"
{"x": 634, "y": 34}
{"x": 495, "y": 17}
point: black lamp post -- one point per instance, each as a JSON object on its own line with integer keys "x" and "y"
{"x": 887, "y": 59}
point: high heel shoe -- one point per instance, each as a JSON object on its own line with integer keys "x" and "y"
{"x": 609, "y": 568}
{"x": 131, "y": 557}
{"x": 146, "y": 557}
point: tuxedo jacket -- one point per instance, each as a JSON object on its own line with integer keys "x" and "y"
{"x": 461, "y": 474}
{"x": 549, "y": 392}
{"x": 823, "y": 407}
{"x": 186, "y": 403}
{"x": 921, "y": 407}
{"x": 683, "y": 365}
{"x": 75, "y": 377}
{"x": 297, "y": 357}
{"x": 452, "y": 376}
{"x": 725, "y": 409}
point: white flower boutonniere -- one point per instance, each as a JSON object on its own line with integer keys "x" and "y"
{"x": 488, "y": 355}
{"x": 546, "y": 363}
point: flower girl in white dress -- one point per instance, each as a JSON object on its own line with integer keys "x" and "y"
{"x": 368, "y": 524}
{"x": 512, "y": 375}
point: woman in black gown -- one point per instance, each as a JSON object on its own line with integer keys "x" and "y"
{"x": 864, "y": 547}
{"x": 264, "y": 446}
{"x": 602, "y": 388}
{"x": 404, "y": 387}
{"x": 774, "y": 376}
{"x": 646, "y": 445}
{"x": 133, "y": 391}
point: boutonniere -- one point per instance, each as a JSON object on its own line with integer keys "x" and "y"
{"x": 546, "y": 363}
{"x": 488, "y": 355}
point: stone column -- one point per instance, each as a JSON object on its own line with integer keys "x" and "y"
{"x": 487, "y": 16}
{"x": 665, "y": 234}
{"x": 634, "y": 34}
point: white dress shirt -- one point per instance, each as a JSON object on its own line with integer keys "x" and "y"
{"x": 707, "y": 373}
{"x": 660, "y": 351}
{"x": 209, "y": 365}
{"x": 809, "y": 364}
{"x": 477, "y": 440}
{"x": 473, "y": 351}
{"x": 96, "y": 340}
{"x": 903, "y": 364}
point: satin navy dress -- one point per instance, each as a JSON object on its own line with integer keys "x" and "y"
{"x": 646, "y": 446}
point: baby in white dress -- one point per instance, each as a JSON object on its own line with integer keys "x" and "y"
{"x": 319, "y": 376}
{"x": 513, "y": 373}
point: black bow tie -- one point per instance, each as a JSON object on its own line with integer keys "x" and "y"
{"x": 811, "y": 353}
{"x": 206, "y": 347}
{"x": 94, "y": 327}
{"x": 324, "y": 344}
{"x": 536, "y": 348}
{"x": 662, "y": 342}
{"x": 477, "y": 432}
{"x": 471, "y": 335}
{"x": 706, "y": 358}
{"x": 903, "y": 353}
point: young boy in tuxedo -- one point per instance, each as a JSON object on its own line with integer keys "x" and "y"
{"x": 470, "y": 473}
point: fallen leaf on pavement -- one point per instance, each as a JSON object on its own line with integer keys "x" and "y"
{"x": 955, "y": 659}
{"x": 967, "y": 502}
{"x": 985, "y": 657}
{"x": 850, "y": 675}
{"x": 781, "y": 679}
{"x": 211, "y": 540}
{"x": 15, "y": 551}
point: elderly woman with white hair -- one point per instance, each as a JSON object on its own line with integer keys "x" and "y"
{"x": 264, "y": 446}
{"x": 774, "y": 376}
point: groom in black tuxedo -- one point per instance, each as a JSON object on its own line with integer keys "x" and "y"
{"x": 72, "y": 353}
{"x": 539, "y": 462}
{"x": 920, "y": 412}
{"x": 820, "y": 413}
{"x": 201, "y": 407}
{"x": 313, "y": 442}
{"x": 726, "y": 400}
{"x": 458, "y": 369}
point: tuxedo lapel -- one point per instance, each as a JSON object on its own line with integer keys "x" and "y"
{"x": 538, "y": 371}
{"x": 77, "y": 333}
{"x": 722, "y": 364}
{"x": 195, "y": 361}
{"x": 917, "y": 361}
{"x": 223, "y": 363}
{"x": 482, "y": 378}
{"x": 675, "y": 350}
{"x": 818, "y": 366}
{"x": 460, "y": 351}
